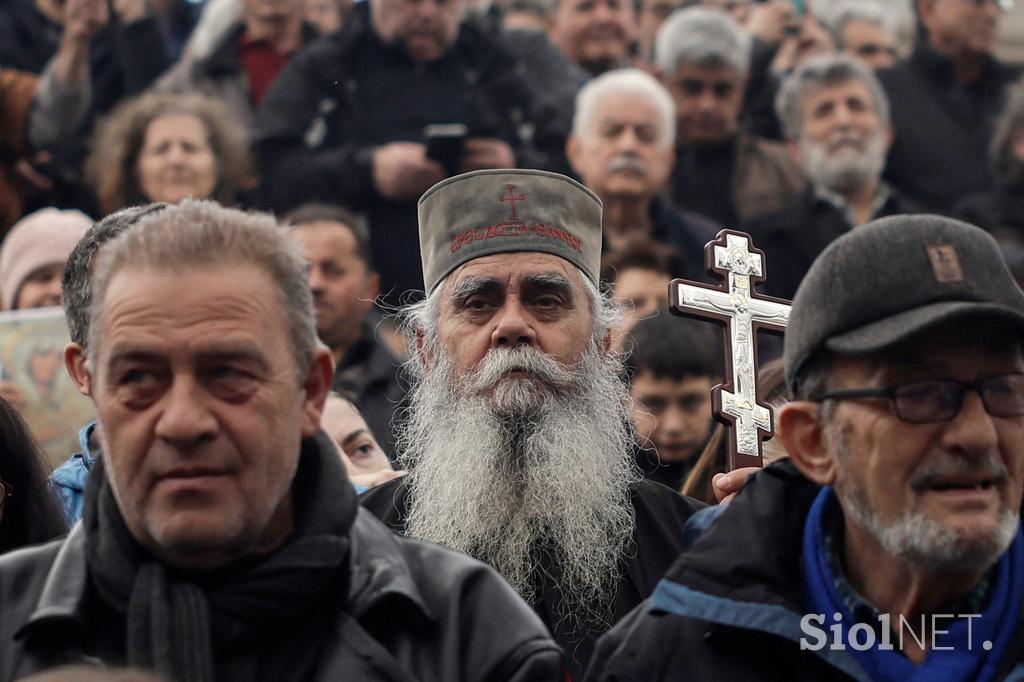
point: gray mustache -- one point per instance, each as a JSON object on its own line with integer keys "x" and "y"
{"x": 627, "y": 163}
{"x": 498, "y": 363}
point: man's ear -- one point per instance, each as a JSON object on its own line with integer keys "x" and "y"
{"x": 373, "y": 285}
{"x": 572, "y": 152}
{"x": 77, "y": 366}
{"x": 316, "y": 387}
{"x": 802, "y": 434}
{"x": 793, "y": 151}
{"x": 421, "y": 350}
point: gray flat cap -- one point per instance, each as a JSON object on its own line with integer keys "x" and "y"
{"x": 892, "y": 278}
{"x": 499, "y": 211}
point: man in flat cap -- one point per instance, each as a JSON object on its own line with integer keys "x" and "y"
{"x": 887, "y": 547}
{"x": 518, "y": 442}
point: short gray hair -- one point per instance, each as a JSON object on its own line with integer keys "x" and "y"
{"x": 703, "y": 37}
{"x": 819, "y": 72}
{"x": 76, "y": 283}
{"x": 865, "y": 11}
{"x": 632, "y": 83}
{"x": 205, "y": 234}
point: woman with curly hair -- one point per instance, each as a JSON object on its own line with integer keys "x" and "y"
{"x": 168, "y": 147}
{"x": 29, "y": 513}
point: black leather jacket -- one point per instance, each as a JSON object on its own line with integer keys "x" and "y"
{"x": 445, "y": 617}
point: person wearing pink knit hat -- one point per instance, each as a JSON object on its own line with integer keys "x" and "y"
{"x": 33, "y": 254}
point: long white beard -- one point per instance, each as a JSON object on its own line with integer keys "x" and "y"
{"x": 542, "y": 460}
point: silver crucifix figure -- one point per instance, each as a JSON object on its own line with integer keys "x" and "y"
{"x": 743, "y": 312}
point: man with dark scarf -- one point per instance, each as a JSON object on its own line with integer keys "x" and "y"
{"x": 221, "y": 539}
{"x": 888, "y": 546}
{"x": 517, "y": 442}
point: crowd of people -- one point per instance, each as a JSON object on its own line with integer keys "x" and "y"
{"x": 372, "y": 303}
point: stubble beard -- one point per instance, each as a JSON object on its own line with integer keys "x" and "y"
{"x": 916, "y": 538}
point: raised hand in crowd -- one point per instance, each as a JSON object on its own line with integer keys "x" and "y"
{"x": 771, "y": 21}
{"x": 812, "y": 39}
{"x": 129, "y": 10}
{"x": 486, "y": 152}
{"x": 402, "y": 171}
{"x": 82, "y": 20}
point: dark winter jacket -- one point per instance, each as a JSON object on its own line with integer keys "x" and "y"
{"x": 730, "y": 607}
{"x": 794, "y": 236}
{"x": 347, "y": 95}
{"x": 410, "y": 610}
{"x": 373, "y": 375}
{"x": 735, "y": 180}
{"x": 939, "y": 154}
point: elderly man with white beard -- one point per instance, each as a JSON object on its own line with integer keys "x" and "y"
{"x": 835, "y": 115}
{"x": 887, "y": 547}
{"x": 518, "y": 441}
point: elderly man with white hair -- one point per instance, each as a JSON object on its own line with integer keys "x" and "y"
{"x": 622, "y": 148}
{"x": 865, "y": 29}
{"x": 835, "y": 115}
{"x": 518, "y": 444}
{"x": 703, "y": 58}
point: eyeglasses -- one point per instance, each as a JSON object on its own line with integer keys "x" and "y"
{"x": 936, "y": 400}
{"x": 6, "y": 490}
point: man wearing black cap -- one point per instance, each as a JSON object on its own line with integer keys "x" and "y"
{"x": 888, "y": 546}
{"x": 518, "y": 443}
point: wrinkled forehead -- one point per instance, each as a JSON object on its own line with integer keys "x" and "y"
{"x": 963, "y": 352}
{"x": 511, "y": 271}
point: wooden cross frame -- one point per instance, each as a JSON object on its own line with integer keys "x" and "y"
{"x": 743, "y": 312}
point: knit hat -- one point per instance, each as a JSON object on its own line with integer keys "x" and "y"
{"x": 39, "y": 239}
{"x": 499, "y": 211}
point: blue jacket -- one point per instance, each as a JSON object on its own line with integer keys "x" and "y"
{"x": 730, "y": 608}
{"x": 68, "y": 480}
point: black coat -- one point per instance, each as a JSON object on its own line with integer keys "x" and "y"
{"x": 793, "y": 237}
{"x": 370, "y": 372}
{"x": 940, "y": 152}
{"x": 661, "y": 515}
{"x": 411, "y": 610}
{"x": 730, "y": 607}
{"x": 346, "y": 95}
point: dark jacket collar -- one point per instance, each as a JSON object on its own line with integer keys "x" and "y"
{"x": 939, "y": 68}
{"x": 378, "y": 569}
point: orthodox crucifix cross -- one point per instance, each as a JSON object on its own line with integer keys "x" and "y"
{"x": 743, "y": 312}
{"x": 512, "y": 198}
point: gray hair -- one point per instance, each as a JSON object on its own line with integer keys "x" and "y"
{"x": 703, "y": 37}
{"x": 1007, "y": 169}
{"x": 76, "y": 283}
{"x": 205, "y": 234}
{"x": 818, "y": 72}
{"x": 421, "y": 317}
{"x": 865, "y": 11}
{"x": 634, "y": 84}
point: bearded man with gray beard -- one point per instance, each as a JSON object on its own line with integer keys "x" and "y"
{"x": 517, "y": 440}
{"x": 887, "y": 546}
{"x": 835, "y": 115}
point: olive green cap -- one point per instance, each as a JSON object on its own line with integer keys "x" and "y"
{"x": 504, "y": 210}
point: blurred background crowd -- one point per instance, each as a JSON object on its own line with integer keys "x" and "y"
{"x": 792, "y": 120}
